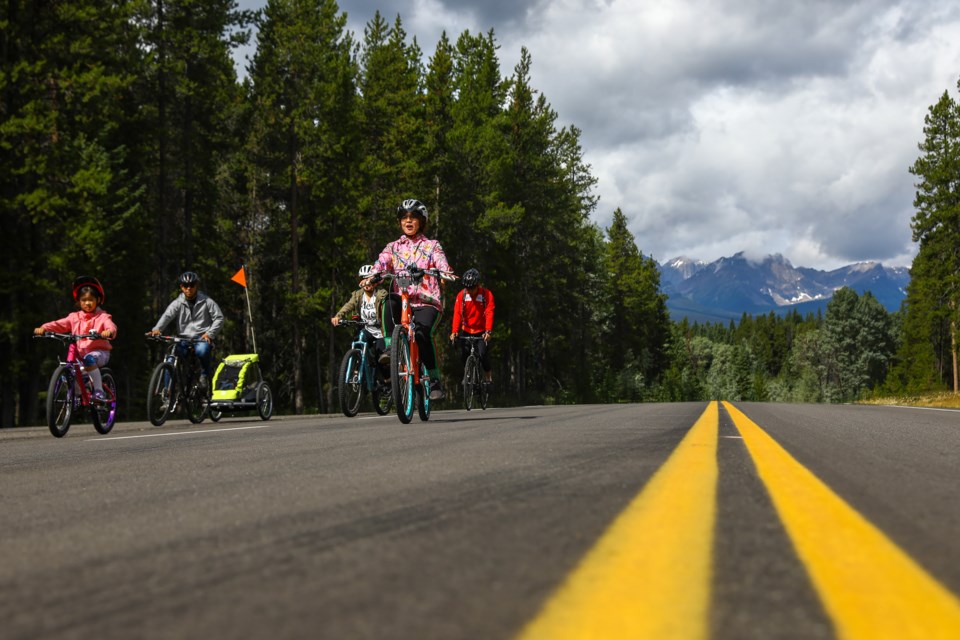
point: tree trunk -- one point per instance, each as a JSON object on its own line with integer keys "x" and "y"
{"x": 295, "y": 277}
{"x": 953, "y": 353}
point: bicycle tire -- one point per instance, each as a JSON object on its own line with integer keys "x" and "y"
{"x": 161, "y": 393}
{"x": 264, "y": 401}
{"x": 215, "y": 414}
{"x": 352, "y": 384}
{"x": 484, "y": 395}
{"x": 469, "y": 381}
{"x": 60, "y": 401}
{"x": 423, "y": 395}
{"x": 197, "y": 403}
{"x": 401, "y": 375}
{"x": 105, "y": 413}
{"x": 382, "y": 398}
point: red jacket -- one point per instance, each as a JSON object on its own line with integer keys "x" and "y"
{"x": 473, "y": 315}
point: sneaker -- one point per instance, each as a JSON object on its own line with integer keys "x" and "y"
{"x": 100, "y": 396}
{"x": 436, "y": 393}
{"x": 384, "y": 358}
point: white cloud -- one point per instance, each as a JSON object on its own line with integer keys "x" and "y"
{"x": 738, "y": 125}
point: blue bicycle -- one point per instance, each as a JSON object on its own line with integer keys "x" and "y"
{"x": 359, "y": 374}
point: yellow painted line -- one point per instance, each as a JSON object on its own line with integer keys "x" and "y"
{"x": 649, "y": 574}
{"x": 870, "y": 588}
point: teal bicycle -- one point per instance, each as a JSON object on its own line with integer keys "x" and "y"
{"x": 360, "y": 375}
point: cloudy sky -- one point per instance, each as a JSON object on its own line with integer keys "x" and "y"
{"x": 720, "y": 126}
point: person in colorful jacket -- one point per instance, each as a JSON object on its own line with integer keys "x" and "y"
{"x": 367, "y": 303}
{"x": 95, "y": 353}
{"x": 197, "y": 317}
{"x": 414, "y": 250}
{"x": 473, "y": 316}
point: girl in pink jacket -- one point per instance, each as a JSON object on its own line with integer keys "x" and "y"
{"x": 95, "y": 353}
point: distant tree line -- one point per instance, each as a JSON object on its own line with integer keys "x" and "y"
{"x": 132, "y": 152}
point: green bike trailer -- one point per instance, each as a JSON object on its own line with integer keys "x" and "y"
{"x": 238, "y": 385}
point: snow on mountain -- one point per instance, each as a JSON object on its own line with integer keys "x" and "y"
{"x": 731, "y": 286}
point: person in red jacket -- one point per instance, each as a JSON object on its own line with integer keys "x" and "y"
{"x": 473, "y": 316}
{"x": 95, "y": 352}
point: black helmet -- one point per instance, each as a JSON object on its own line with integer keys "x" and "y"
{"x": 412, "y": 206}
{"x": 189, "y": 277}
{"x": 471, "y": 278}
{"x": 88, "y": 281}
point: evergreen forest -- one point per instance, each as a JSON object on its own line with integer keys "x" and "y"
{"x": 132, "y": 151}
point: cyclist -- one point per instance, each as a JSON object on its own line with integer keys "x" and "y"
{"x": 412, "y": 251}
{"x": 367, "y": 302}
{"x": 88, "y": 295}
{"x": 197, "y": 316}
{"x": 473, "y": 316}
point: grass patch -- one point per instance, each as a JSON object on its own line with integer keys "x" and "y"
{"x": 940, "y": 400}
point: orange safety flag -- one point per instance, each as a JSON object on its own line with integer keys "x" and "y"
{"x": 240, "y": 277}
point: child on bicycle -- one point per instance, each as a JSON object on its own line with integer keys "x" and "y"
{"x": 473, "y": 316}
{"x": 367, "y": 303}
{"x": 415, "y": 251}
{"x": 95, "y": 353}
{"x": 197, "y": 317}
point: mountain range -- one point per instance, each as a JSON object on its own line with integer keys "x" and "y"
{"x": 727, "y": 288}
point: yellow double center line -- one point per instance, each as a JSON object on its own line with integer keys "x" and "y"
{"x": 649, "y": 575}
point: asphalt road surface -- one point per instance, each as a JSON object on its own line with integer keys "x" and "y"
{"x": 697, "y": 520}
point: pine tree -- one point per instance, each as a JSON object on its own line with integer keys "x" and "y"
{"x": 69, "y": 204}
{"x": 303, "y": 139}
{"x": 936, "y": 223}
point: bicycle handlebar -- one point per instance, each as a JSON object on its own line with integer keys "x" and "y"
{"x": 415, "y": 273}
{"x": 169, "y": 339}
{"x": 71, "y": 337}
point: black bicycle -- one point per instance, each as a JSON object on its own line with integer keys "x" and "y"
{"x": 474, "y": 387}
{"x": 176, "y": 382}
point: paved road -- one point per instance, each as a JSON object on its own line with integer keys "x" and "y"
{"x": 488, "y": 524}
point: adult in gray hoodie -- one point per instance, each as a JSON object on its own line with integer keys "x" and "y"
{"x": 198, "y": 318}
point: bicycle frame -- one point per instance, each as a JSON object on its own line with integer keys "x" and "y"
{"x": 73, "y": 361}
{"x": 409, "y": 324}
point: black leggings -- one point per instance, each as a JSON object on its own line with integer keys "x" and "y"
{"x": 482, "y": 350}
{"x": 427, "y": 318}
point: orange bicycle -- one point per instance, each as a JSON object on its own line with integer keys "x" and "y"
{"x": 410, "y": 380}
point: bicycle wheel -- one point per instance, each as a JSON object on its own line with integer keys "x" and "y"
{"x": 423, "y": 395}
{"x": 351, "y": 382}
{"x": 215, "y": 414}
{"x": 60, "y": 400}
{"x": 161, "y": 393}
{"x": 197, "y": 402}
{"x": 382, "y": 398}
{"x": 401, "y": 374}
{"x": 484, "y": 395}
{"x": 264, "y": 401}
{"x": 105, "y": 413}
{"x": 469, "y": 381}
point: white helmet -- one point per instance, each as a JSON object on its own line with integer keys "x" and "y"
{"x": 365, "y": 271}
